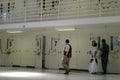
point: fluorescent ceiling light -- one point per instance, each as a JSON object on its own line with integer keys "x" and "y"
{"x": 14, "y": 31}
{"x": 65, "y": 29}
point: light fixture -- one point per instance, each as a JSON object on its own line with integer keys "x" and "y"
{"x": 14, "y": 31}
{"x": 65, "y": 29}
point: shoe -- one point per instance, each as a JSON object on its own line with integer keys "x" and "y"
{"x": 68, "y": 70}
{"x": 103, "y": 72}
{"x": 94, "y": 73}
{"x": 66, "y": 73}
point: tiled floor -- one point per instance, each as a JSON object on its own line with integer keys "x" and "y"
{"x": 36, "y": 74}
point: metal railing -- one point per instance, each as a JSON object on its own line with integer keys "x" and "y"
{"x": 22, "y": 11}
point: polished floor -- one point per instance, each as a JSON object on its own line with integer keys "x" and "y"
{"x": 9, "y": 73}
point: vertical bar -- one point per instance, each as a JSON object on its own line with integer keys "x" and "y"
{"x": 43, "y": 52}
{"x": 0, "y": 44}
{"x": 40, "y": 43}
{"x": 1, "y": 8}
{"x": 7, "y": 43}
{"x": 99, "y": 40}
{"x": 51, "y": 43}
{"x": 111, "y": 42}
{"x": 25, "y": 16}
{"x": 41, "y": 9}
{"x": 100, "y": 8}
{"x": 58, "y": 9}
{"x": 9, "y": 7}
{"x": 10, "y": 13}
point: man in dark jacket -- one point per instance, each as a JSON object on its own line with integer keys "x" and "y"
{"x": 104, "y": 55}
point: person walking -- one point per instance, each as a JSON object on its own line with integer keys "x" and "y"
{"x": 67, "y": 56}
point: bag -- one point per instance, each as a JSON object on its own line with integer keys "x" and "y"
{"x": 93, "y": 67}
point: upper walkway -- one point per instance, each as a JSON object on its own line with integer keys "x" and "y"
{"x": 26, "y": 11}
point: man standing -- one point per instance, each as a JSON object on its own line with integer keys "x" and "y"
{"x": 67, "y": 56}
{"x": 104, "y": 55}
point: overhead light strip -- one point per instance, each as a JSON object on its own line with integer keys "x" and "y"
{"x": 65, "y": 29}
{"x": 69, "y": 29}
{"x": 12, "y": 31}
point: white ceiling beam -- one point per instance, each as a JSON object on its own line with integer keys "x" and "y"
{"x": 58, "y": 23}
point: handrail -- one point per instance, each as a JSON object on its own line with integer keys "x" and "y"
{"x": 56, "y": 10}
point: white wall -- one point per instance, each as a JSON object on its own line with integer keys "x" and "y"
{"x": 24, "y": 48}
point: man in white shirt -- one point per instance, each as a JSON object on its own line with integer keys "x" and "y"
{"x": 67, "y": 56}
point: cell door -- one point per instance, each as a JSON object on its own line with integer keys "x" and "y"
{"x": 43, "y": 50}
{"x": 40, "y": 51}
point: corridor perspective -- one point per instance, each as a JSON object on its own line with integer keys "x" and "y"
{"x": 33, "y": 34}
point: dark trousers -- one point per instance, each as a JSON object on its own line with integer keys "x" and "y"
{"x": 104, "y": 64}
